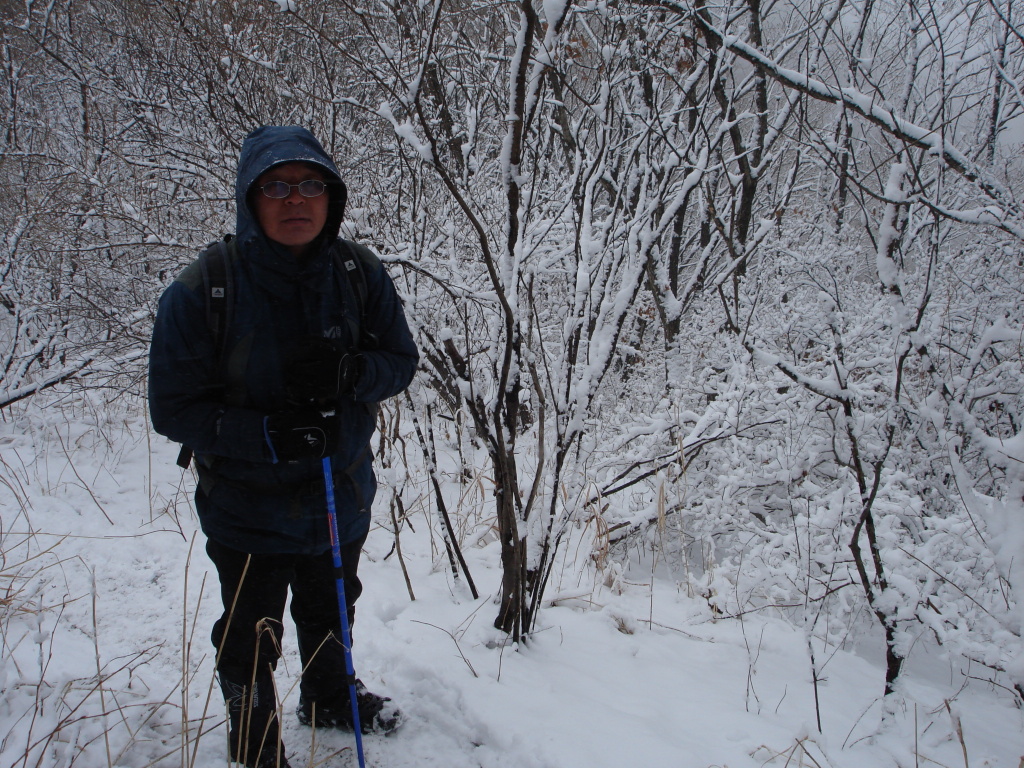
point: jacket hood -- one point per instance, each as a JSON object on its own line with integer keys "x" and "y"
{"x": 273, "y": 145}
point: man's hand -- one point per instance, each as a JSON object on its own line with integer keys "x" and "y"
{"x": 317, "y": 371}
{"x": 296, "y": 435}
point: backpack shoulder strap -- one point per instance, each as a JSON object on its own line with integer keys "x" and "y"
{"x": 353, "y": 260}
{"x": 218, "y": 290}
{"x": 218, "y": 287}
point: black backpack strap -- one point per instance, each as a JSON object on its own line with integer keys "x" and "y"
{"x": 184, "y": 457}
{"x": 218, "y": 290}
{"x": 352, "y": 261}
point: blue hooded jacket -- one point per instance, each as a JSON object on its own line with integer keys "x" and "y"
{"x": 217, "y": 405}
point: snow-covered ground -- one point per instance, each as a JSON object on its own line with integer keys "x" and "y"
{"x": 104, "y": 570}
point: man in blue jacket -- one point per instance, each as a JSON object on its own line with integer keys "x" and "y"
{"x": 294, "y": 377}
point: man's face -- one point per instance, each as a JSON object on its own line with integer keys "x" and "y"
{"x": 294, "y": 221}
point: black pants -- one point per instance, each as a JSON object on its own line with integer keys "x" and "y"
{"x": 248, "y": 634}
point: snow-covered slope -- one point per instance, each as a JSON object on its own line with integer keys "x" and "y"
{"x": 108, "y": 597}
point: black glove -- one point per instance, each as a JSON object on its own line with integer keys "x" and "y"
{"x": 295, "y": 435}
{"x": 317, "y": 371}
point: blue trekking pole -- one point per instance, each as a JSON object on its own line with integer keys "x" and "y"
{"x": 339, "y": 579}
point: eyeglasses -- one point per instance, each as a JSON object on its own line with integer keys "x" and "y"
{"x": 278, "y": 190}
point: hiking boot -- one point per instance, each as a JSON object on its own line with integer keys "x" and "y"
{"x": 376, "y": 713}
{"x": 266, "y": 760}
{"x": 254, "y": 732}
